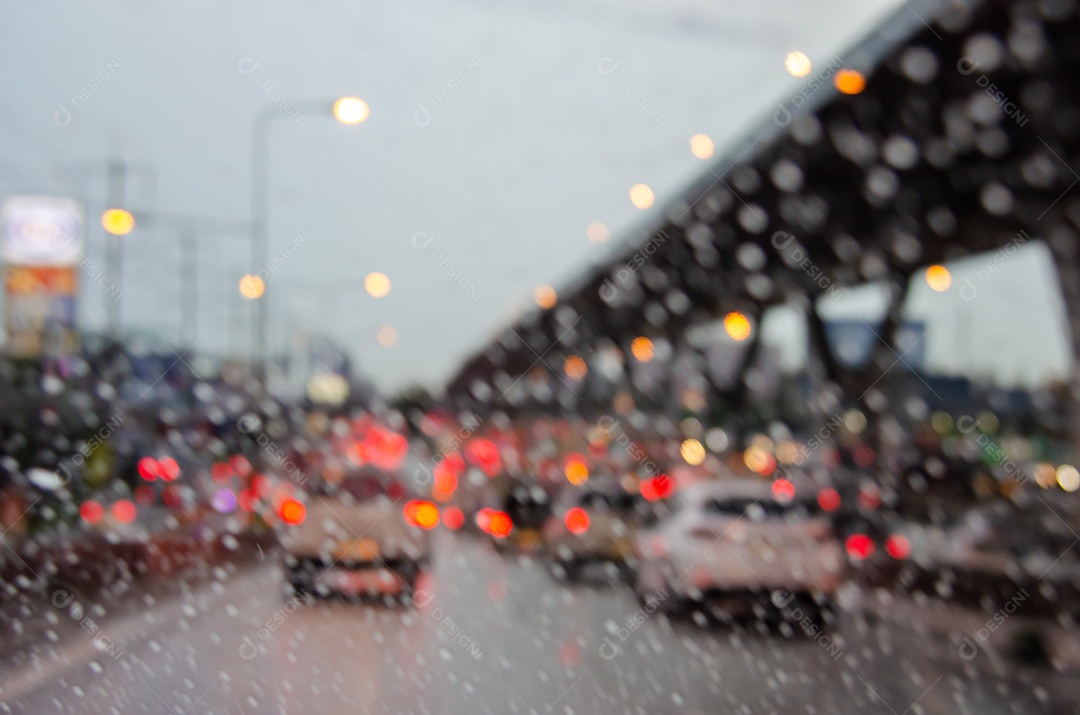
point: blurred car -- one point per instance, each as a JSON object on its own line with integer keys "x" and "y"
{"x": 732, "y": 545}
{"x": 594, "y": 524}
{"x": 877, "y": 546}
{"x": 357, "y": 537}
{"x": 1013, "y": 544}
{"x": 525, "y": 509}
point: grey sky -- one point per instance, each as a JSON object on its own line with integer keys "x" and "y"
{"x": 529, "y": 144}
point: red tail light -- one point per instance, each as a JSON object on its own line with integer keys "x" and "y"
{"x": 124, "y": 511}
{"x": 783, "y": 490}
{"x": 898, "y": 546}
{"x": 828, "y": 499}
{"x": 859, "y": 546}
{"x": 659, "y": 487}
{"x": 576, "y": 520}
{"x": 423, "y": 514}
{"x": 452, "y": 518}
{"x": 500, "y": 525}
{"x": 483, "y": 518}
{"x": 91, "y": 512}
{"x": 292, "y": 512}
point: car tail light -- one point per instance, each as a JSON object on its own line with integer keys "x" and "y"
{"x": 500, "y": 525}
{"x": 576, "y": 520}
{"x": 292, "y": 512}
{"x": 898, "y": 546}
{"x": 423, "y": 514}
{"x": 657, "y": 488}
{"x": 124, "y": 511}
{"x": 148, "y": 468}
{"x": 783, "y": 490}
{"x": 453, "y": 518}
{"x": 483, "y": 518}
{"x": 828, "y": 499}
{"x": 859, "y": 546}
{"x": 91, "y": 512}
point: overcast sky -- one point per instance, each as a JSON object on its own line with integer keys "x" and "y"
{"x": 494, "y": 140}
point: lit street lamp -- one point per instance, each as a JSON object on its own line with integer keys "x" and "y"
{"x": 347, "y": 110}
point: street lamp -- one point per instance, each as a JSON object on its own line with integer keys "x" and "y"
{"x": 351, "y": 110}
{"x": 118, "y": 222}
{"x": 347, "y": 110}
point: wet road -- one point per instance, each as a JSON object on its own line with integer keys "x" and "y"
{"x": 496, "y": 634}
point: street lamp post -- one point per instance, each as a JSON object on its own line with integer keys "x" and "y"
{"x": 347, "y": 110}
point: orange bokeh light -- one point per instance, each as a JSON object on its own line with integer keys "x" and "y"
{"x": 642, "y": 349}
{"x": 849, "y": 81}
{"x": 938, "y": 278}
{"x": 575, "y": 368}
{"x": 737, "y": 326}
{"x": 124, "y": 511}
{"x": 292, "y": 512}
{"x": 577, "y": 520}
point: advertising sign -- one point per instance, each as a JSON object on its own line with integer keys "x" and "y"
{"x": 41, "y": 231}
{"x": 39, "y": 309}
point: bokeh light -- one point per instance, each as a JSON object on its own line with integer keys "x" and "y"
{"x": 737, "y": 326}
{"x": 938, "y": 278}
{"x": 1068, "y": 478}
{"x": 642, "y": 349}
{"x": 545, "y": 296}
{"x": 797, "y": 64}
{"x": 641, "y": 196}
{"x": 692, "y": 451}
{"x": 597, "y": 232}
{"x": 575, "y": 368}
{"x": 252, "y": 287}
{"x": 118, "y": 222}
{"x": 377, "y": 284}
{"x": 701, "y": 146}
{"x": 849, "y": 81}
{"x": 351, "y": 110}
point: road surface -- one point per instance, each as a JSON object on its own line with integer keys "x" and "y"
{"x": 495, "y": 634}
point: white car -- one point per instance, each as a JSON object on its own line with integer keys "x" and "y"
{"x": 594, "y": 524}
{"x": 359, "y": 537}
{"x": 732, "y": 545}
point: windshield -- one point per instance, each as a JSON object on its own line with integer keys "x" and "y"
{"x": 539, "y": 356}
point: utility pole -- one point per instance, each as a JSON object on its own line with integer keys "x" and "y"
{"x": 116, "y": 171}
{"x": 189, "y": 301}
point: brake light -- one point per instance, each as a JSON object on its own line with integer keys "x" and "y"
{"x": 783, "y": 490}
{"x": 91, "y": 512}
{"x": 859, "y": 546}
{"x": 292, "y": 512}
{"x": 659, "y": 487}
{"x": 453, "y": 518}
{"x": 828, "y": 499}
{"x": 576, "y": 520}
{"x": 483, "y": 518}
{"x": 168, "y": 469}
{"x": 124, "y": 511}
{"x": 423, "y": 514}
{"x": 148, "y": 468}
{"x": 499, "y": 525}
{"x": 898, "y": 546}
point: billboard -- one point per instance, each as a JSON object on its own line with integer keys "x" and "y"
{"x": 41, "y": 246}
{"x": 39, "y": 309}
{"x": 41, "y": 231}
